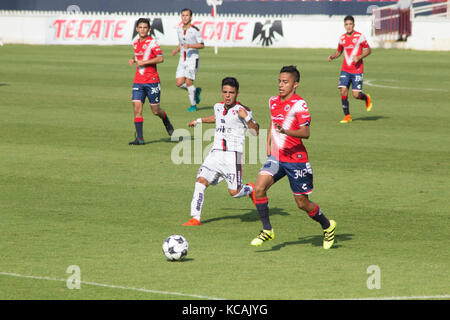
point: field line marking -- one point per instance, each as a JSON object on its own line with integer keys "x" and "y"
{"x": 112, "y": 286}
{"x": 370, "y": 83}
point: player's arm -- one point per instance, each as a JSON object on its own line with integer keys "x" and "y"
{"x": 335, "y": 55}
{"x": 176, "y": 50}
{"x": 210, "y": 119}
{"x": 251, "y": 123}
{"x": 303, "y": 132}
{"x": 365, "y": 53}
{"x": 132, "y": 61}
{"x": 155, "y": 60}
{"x": 194, "y": 46}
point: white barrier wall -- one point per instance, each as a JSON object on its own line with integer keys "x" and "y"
{"x": 299, "y": 31}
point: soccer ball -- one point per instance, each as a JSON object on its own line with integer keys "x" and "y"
{"x": 175, "y": 248}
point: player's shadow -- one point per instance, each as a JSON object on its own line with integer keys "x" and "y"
{"x": 370, "y": 118}
{"x": 316, "y": 241}
{"x": 250, "y": 216}
{"x": 3, "y": 84}
{"x": 168, "y": 139}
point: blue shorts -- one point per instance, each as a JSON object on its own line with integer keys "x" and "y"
{"x": 150, "y": 90}
{"x": 355, "y": 79}
{"x": 300, "y": 174}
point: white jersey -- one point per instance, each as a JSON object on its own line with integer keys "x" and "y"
{"x": 191, "y": 35}
{"x": 230, "y": 128}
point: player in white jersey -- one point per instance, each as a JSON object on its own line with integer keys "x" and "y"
{"x": 190, "y": 41}
{"x": 224, "y": 162}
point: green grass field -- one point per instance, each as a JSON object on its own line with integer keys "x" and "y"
{"x": 72, "y": 192}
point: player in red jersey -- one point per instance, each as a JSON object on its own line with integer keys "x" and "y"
{"x": 287, "y": 156}
{"x": 355, "y": 47}
{"x": 147, "y": 54}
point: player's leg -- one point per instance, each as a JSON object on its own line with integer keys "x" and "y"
{"x": 357, "y": 83}
{"x": 138, "y": 98}
{"x": 154, "y": 94}
{"x": 231, "y": 171}
{"x": 207, "y": 175}
{"x": 270, "y": 173}
{"x": 344, "y": 83}
{"x": 193, "y": 92}
{"x": 300, "y": 177}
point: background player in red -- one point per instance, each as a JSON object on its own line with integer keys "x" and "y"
{"x": 147, "y": 54}
{"x": 355, "y": 47}
{"x": 287, "y": 156}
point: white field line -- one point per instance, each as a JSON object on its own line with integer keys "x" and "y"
{"x": 370, "y": 83}
{"x": 447, "y": 296}
{"x": 112, "y": 286}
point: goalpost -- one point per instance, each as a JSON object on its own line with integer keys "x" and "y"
{"x": 214, "y": 4}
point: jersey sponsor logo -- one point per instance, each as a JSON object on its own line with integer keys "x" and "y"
{"x": 265, "y": 33}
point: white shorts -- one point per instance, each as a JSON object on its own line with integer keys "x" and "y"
{"x": 188, "y": 69}
{"x": 220, "y": 165}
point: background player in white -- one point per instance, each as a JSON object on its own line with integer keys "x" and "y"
{"x": 190, "y": 41}
{"x": 224, "y": 160}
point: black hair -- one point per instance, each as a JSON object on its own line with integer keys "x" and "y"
{"x": 187, "y": 9}
{"x": 143, "y": 20}
{"x": 230, "y": 81}
{"x": 349, "y": 17}
{"x": 292, "y": 70}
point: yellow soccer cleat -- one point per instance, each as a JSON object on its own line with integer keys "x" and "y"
{"x": 368, "y": 103}
{"x": 264, "y": 235}
{"x": 328, "y": 235}
{"x": 347, "y": 119}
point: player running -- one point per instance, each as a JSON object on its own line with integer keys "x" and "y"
{"x": 225, "y": 158}
{"x": 147, "y": 54}
{"x": 190, "y": 41}
{"x": 355, "y": 47}
{"x": 287, "y": 156}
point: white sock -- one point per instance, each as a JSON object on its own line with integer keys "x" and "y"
{"x": 183, "y": 86}
{"x": 245, "y": 191}
{"x": 191, "y": 92}
{"x": 197, "y": 200}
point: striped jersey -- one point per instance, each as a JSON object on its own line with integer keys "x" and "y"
{"x": 146, "y": 50}
{"x": 290, "y": 114}
{"x": 352, "y": 46}
{"x": 230, "y": 128}
{"x": 191, "y": 35}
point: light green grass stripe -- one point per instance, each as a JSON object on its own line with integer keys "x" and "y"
{"x": 112, "y": 286}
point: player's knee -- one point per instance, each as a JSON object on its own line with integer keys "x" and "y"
{"x": 202, "y": 181}
{"x": 356, "y": 94}
{"x": 260, "y": 191}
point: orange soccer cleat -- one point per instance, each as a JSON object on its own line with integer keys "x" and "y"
{"x": 252, "y": 195}
{"x": 347, "y": 119}
{"x": 368, "y": 103}
{"x": 192, "y": 222}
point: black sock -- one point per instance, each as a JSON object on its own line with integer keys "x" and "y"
{"x": 345, "y": 105}
{"x": 317, "y": 215}
{"x": 362, "y": 96}
{"x": 139, "y": 125}
{"x": 262, "y": 204}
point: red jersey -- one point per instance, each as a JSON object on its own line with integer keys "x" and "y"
{"x": 146, "y": 50}
{"x": 291, "y": 114}
{"x": 352, "y": 46}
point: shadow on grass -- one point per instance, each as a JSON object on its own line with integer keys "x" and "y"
{"x": 316, "y": 241}
{"x": 204, "y": 108}
{"x": 250, "y": 216}
{"x": 370, "y": 118}
{"x": 168, "y": 139}
{"x": 3, "y": 84}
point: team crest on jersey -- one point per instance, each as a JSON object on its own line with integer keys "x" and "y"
{"x": 287, "y": 108}
{"x": 265, "y": 33}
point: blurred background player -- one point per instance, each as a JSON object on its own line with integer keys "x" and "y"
{"x": 287, "y": 155}
{"x": 147, "y": 54}
{"x": 190, "y": 41}
{"x": 225, "y": 158}
{"x": 355, "y": 47}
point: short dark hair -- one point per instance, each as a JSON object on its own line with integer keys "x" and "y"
{"x": 143, "y": 20}
{"x": 292, "y": 70}
{"x": 349, "y": 17}
{"x": 230, "y": 81}
{"x": 187, "y": 9}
